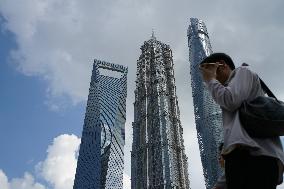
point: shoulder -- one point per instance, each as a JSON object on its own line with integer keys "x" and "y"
{"x": 244, "y": 69}
{"x": 242, "y": 76}
{"x": 245, "y": 72}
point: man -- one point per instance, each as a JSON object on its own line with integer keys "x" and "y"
{"x": 251, "y": 163}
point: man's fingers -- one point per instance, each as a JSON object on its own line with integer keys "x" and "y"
{"x": 210, "y": 65}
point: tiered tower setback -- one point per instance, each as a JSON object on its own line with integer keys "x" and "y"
{"x": 158, "y": 160}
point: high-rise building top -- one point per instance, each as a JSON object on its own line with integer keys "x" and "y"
{"x": 208, "y": 115}
{"x": 100, "y": 162}
{"x": 198, "y": 41}
{"x": 158, "y": 159}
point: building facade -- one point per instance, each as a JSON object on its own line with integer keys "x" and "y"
{"x": 158, "y": 160}
{"x": 100, "y": 162}
{"x": 208, "y": 115}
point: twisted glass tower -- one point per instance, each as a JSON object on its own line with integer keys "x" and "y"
{"x": 158, "y": 160}
{"x": 208, "y": 115}
{"x": 100, "y": 162}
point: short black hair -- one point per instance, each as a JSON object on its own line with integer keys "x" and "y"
{"x": 215, "y": 57}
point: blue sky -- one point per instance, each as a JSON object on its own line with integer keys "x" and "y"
{"x": 27, "y": 125}
{"x": 47, "y": 49}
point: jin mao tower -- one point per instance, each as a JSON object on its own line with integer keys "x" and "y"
{"x": 158, "y": 160}
{"x": 208, "y": 115}
{"x": 100, "y": 162}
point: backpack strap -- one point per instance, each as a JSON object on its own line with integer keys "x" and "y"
{"x": 264, "y": 86}
{"x": 267, "y": 90}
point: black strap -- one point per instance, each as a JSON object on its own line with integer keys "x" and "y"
{"x": 264, "y": 86}
{"x": 266, "y": 89}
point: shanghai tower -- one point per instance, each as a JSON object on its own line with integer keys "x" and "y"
{"x": 100, "y": 162}
{"x": 158, "y": 160}
{"x": 208, "y": 115}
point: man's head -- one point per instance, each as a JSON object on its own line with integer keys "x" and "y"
{"x": 226, "y": 65}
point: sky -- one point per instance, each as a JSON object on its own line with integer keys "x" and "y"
{"x": 47, "y": 49}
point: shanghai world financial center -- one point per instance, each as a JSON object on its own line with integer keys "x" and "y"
{"x": 158, "y": 159}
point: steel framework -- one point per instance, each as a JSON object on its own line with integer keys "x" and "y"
{"x": 208, "y": 115}
{"x": 100, "y": 162}
{"x": 158, "y": 160}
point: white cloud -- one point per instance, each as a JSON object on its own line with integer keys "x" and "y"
{"x": 49, "y": 39}
{"x": 59, "y": 167}
{"x": 27, "y": 182}
{"x": 3, "y": 180}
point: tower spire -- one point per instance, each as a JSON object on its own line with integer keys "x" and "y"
{"x": 153, "y": 34}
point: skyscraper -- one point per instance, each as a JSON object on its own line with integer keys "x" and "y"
{"x": 100, "y": 162}
{"x": 158, "y": 160}
{"x": 208, "y": 115}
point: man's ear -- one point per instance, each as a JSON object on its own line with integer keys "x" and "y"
{"x": 224, "y": 65}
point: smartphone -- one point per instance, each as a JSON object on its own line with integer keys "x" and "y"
{"x": 201, "y": 65}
